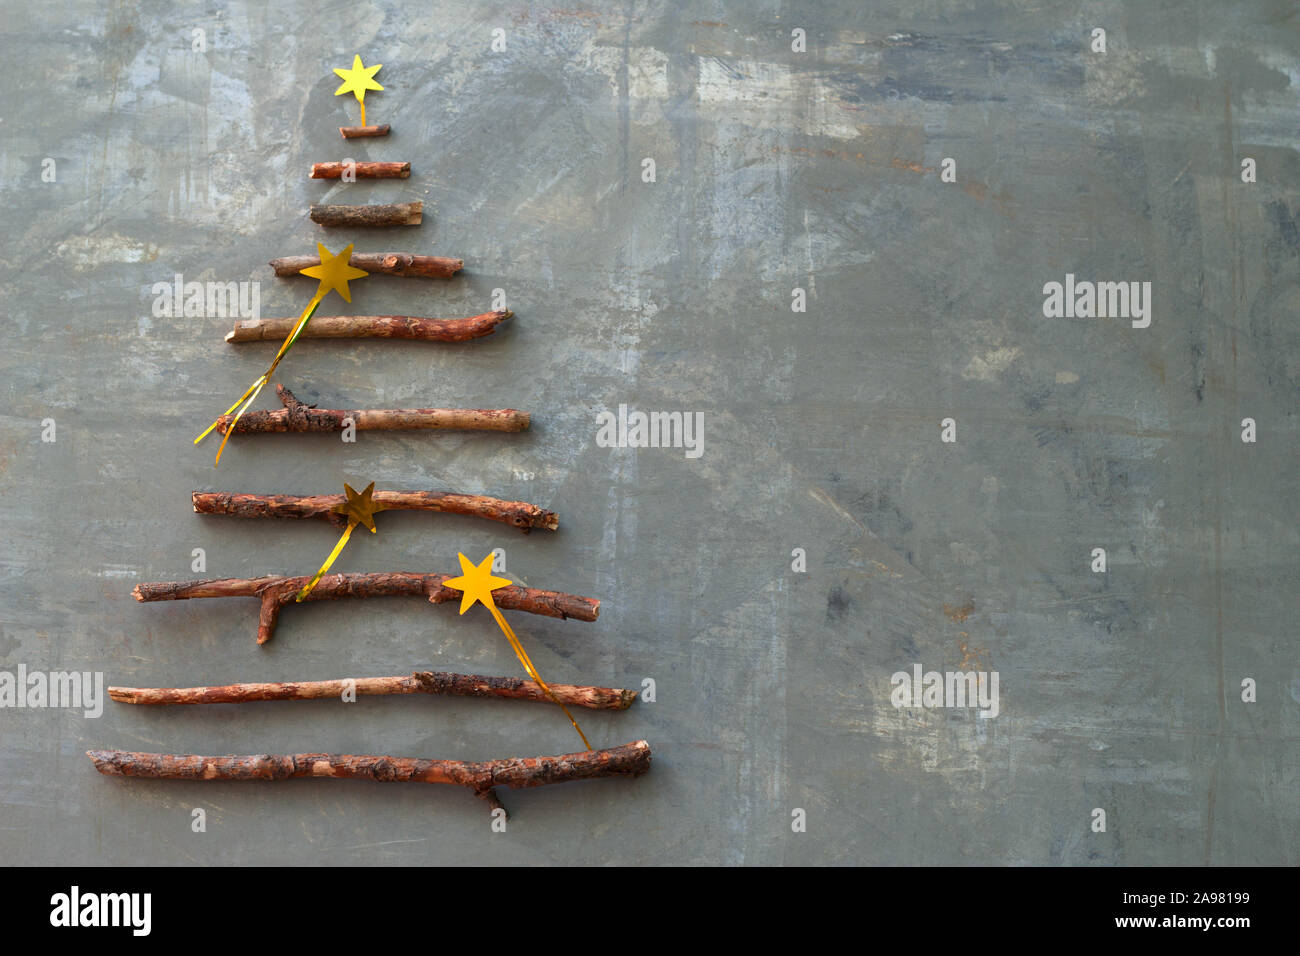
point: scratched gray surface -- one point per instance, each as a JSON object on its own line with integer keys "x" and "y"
{"x": 775, "y": 170}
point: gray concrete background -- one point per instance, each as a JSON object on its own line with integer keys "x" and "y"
{"x": 775, "y": 170}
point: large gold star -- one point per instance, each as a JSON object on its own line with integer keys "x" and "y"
{"x": 358, "y": 79}
{"x": 476, "y": 582}
{"x": 360, "y": 508}
{"x": 334, "y": 272}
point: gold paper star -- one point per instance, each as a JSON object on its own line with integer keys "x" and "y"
{"x": 358, "y": 79}
{"x": 476, "y": 582}
{"x": 334, "y": 272}
{"x": 360, "y": 508}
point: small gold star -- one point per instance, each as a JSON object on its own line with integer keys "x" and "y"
{"x": 358, "y": 79}
{"x": 334, "y": 272}
{"x": 360, "y": 508}
{"x": 477, "y": 582}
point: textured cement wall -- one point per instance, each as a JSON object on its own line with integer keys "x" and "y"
{"x": 775, "y": 170}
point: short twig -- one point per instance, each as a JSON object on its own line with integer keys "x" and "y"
{"x": 386, "y": 214}
{"x": 334, "y": 170}
{"x": 361, "y": 132}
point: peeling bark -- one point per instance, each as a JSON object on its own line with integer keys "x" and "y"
{"x": 386, "y": 214}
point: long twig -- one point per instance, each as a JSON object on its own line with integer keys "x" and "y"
{"x": 371, "y": 326}
{"x": 481, "y": 778}
{"x": 421, "y": 682}
{"x": 388, "y": 263}
{"x": 299, "y": 417}
{"x": 387, "y": 214}
{"x": 520, "y": 514}
{"x": 275, "y": 592}
{"x": 363, "y": 170}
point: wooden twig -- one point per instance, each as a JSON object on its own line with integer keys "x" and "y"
{"x": 388, "y": 263}
{"x": 629, "y": 760}
{"x": 421, "y": 682}
{"x": 275, "y": 592}
{"x": 385, "y": 214}
{"x": 364, "y": 170}
{"x": 298, "y": 417}
{"x": 361, "y": 132}
{"x": 371, "y": 326}
{"x": 519, "y": 514}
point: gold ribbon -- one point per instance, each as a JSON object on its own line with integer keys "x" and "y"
{"x": 255, "y": 389}
{"x": 528, "y": 665}
{"x": 347, "y": 533}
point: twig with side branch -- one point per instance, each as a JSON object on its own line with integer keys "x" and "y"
{"x": 299, "y": 417}
{"x": 274, "y": 592}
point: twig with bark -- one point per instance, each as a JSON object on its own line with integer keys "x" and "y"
{"x": 363, "y": 132}
{"x": 299, "y": 417}
{"x": 363, "y": 170}
{"x": 383, "y": 214}
{"x": 630, "y": 760}
{"x": 519, "y": 514}
{"x": 402, "y": 264}
{"x": 420, "y": 682}
{"x": 371, "y": 326}
{"x": 274, "y": 592}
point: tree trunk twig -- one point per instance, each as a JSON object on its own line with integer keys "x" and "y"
{"x": 275, "y": 592}
{"x": 481, "y": 778}
{"x": 520, "y": 514}
{"x": 388, "y": 263}
{"x": 386, "y": 214}
{"x": 299, "y": 417}
{"x": 361, "y": 132}
{"x": 421, "y": 682}
{"x": 371, "y": 327}
{"x": 364, "y": 170}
